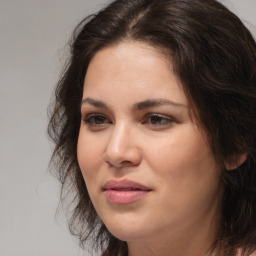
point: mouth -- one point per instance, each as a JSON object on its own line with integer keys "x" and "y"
{"x": 124, "y": 191}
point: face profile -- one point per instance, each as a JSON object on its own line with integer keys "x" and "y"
{"x": 140, "y": 152}
{"x": 154, "y": 122}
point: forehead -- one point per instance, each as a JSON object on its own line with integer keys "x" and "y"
{"x": 131, "y": 66}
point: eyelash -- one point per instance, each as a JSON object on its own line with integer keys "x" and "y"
{"x": 161, "y": 120}
{"x": 97, "y": 120}
{"x": 91, "y": 119}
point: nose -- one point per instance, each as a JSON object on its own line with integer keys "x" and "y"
{"x": 122, "y": 149}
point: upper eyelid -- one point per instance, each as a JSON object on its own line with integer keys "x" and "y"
{"x": 158, "y": 114}
{"x": 101, "y": 107}
{"x": 90, "y": 120}
{"x": 164, "y": 116}
{"x": 92, "y": 113}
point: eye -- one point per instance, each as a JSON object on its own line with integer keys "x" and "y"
{"x": 157, "y": 120}
{"x": 96, "y": 120}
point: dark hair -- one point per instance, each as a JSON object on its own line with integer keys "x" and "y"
{"x": 214, "y": 57}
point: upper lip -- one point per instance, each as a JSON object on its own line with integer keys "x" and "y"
{"x": 124, "y": 184}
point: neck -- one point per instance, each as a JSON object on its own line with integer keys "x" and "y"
{"x": 194, "y": 240}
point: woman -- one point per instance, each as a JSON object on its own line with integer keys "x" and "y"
{"x": 154, "y": 124}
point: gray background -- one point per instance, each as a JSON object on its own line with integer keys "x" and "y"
{"x": 33, "y": 36}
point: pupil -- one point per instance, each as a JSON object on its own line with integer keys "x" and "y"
{"x": 155, "y": 119}
{"x": 99, "y": 119}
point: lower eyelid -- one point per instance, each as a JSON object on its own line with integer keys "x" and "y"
{"x": 163, "y": 117}
{"x": 90, "y": 119}
{"x": 164, "y": 121}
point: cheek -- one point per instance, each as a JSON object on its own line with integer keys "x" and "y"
{"x": 184, "y": 154}
{"x": 186, "y": 174}
{"x": 89, "y": 155}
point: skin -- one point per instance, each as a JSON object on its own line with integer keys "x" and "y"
{"x": 157, "y": 145}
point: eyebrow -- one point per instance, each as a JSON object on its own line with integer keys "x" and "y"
{"x": 95, "y": 103}
{"x": 155, "y": 103}
{"x": 149, "y": 103}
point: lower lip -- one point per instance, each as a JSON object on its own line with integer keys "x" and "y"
{"x": 125, "y": 197}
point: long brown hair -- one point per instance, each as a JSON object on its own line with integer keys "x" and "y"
{"x": 214, "y": 57}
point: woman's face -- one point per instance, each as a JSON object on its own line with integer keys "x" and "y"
{"x": 149, "y": 170}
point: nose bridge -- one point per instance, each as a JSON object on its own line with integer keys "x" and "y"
{"x": 122, "y": 148}
{"x": 118, "y": 141}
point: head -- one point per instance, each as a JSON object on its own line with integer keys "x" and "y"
{"x": 212, "y": 57}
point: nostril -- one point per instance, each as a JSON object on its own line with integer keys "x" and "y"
{"x": 126, "y": 163}
{"x": 119, "y": 164}
{"x": 122, "y": 157}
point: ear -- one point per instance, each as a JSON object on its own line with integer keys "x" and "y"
{"x": 235, "y": 161}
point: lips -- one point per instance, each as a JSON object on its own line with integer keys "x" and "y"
{"x": 124, "y": 191}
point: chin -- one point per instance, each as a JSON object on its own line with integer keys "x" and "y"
{"x": 126, "y": 231}
{"x": 126, "y": 234}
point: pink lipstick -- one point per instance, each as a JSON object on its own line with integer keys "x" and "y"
{"x": 124, "y": 191}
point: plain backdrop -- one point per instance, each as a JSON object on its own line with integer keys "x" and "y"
{"x": 33, "y": 35}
